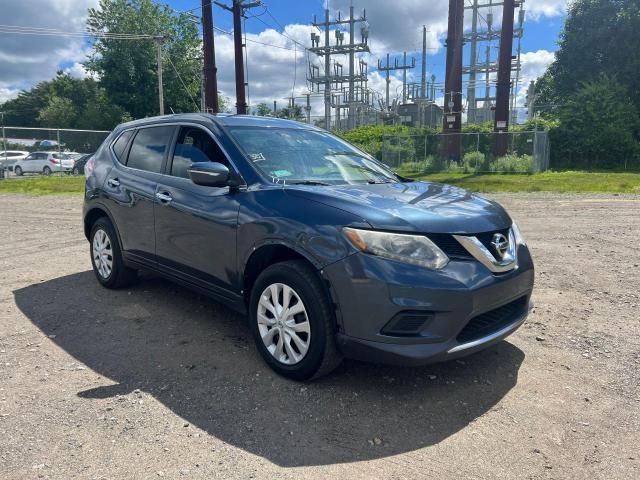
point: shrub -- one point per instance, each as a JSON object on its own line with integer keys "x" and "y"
{"x": 409, "y": 169}
{"x": 473, "y": 161}
{"x": 513, "y": 164}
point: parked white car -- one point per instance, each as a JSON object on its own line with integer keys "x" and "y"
{"x": 9, "y": 157}
{"x": 44, "y": 163}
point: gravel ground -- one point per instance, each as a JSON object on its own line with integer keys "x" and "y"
{"x": 157, "y": 381}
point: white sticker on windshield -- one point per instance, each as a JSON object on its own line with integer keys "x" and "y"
{"x": 256, "y": 157}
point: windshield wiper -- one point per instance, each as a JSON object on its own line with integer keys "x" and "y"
{"x": 310, "y": 182}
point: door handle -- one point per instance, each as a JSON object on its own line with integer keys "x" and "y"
{"x": 113, "y": 182}
{"x": 164, "y": 197}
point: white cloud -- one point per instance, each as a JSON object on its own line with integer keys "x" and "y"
{"x": 28, "y": 59}
{"x": 7, "y": 93}
{"x": 546, "y": 8}
{"x": 534, "y": 65}
{"x": 77, "y": 70}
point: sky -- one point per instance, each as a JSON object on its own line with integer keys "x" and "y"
{"x": 276, "y": 70}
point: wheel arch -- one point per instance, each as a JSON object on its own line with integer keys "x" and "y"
{"x": 272, "y": 252}
{"x": 93, "y": 215}
{"x": 267, "y": 254}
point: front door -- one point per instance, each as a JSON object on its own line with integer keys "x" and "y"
{"x": 196, "y": 225}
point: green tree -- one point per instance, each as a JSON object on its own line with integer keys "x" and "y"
{"x": 599, "y": 37}
{"x": 295, "y": 114}
{"x": 598, "y": 128}
{"x": 128, "y": 68}
{"x": 60, "y": 112}
{"x": 23, "y": 111}
{"x": 263, "y": 109}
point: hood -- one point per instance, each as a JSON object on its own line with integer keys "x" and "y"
{"x": 414, "y": 206}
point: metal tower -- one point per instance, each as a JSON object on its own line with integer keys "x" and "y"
{"x": 356, "y": 80}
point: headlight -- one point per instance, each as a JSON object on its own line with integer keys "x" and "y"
{"x": 413, "y": 249}
{"x": 517, "y": 234}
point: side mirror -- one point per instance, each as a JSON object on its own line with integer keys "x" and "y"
{"x": 209, "y": 174}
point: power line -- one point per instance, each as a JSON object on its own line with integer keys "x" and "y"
{"x": 25, "y": 30}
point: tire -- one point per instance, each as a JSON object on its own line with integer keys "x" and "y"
{"x": 46, "y": 171}
{"x": 117, "y": 275}
{"x": 75, "y": 171}
{"x": 17, "y": 171}
{"x": 321, "y": 355}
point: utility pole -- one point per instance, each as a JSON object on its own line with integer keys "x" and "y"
{"x": 531, "y": 100}
{"x": 210, "y": 72}
{"x": 340, "y": 48}
{"x": 307, "y": 108}
{"x": 238, "y": 10}
{"x": 387, "y": 69}
{"x": 452, "y": 124}
{"x": 397, "y": 66}
{"x": 503, "y": 85}
{"x": 475, "y": 68}
{"x": 159, "y": 41}
{"x": 471, "y": 91}
{"x": 423, "y": 84}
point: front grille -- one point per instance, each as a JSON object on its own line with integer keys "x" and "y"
{"x": 492, "y": 321}
{"x": 450, "y": 246}
{"x": 407, "y": 324}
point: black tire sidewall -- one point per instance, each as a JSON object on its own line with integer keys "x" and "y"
{"x": 46, "y": 171}
{"x": 281, "y": 273}
{"x": 18, "y": 172}
{"x": 75, "y": 171}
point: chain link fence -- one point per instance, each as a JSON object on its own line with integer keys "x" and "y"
{"x": 527, "y": 152}
{"x": 17, "y": 142}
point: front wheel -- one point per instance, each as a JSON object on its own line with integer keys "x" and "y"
{"x": 46, "y": 171}
{"x": 293, "y": 322}
{"x": 17, "y": 171}
{"x": 106, "y": 257}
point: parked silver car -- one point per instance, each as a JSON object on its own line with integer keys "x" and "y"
{"x": 9, "y": 157}
{"x": 45, "y": 163}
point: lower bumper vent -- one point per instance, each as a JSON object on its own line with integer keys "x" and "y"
{"x": 407, "y": 324}
{"x": 492, "y": 321}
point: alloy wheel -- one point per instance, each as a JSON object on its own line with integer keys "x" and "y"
{"x": 102, "y": 253}
{"x": 283, "y": 323}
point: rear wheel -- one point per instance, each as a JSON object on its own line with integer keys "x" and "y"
{"x": 106, "y": 257}
{"x": 75, "y": 171}
{"x": 46, "y": 171}
{"x": 293, "y": 322}
{"x": 17, "y": 171}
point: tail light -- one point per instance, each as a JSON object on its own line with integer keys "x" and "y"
{"x": 89, "y": 167}
{"x": 53, "y": 161}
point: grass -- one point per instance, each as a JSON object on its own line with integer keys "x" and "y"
{"x": 53, "y": 185}
{"x": 604, "y": 182}
{"x": 587, "y": 182}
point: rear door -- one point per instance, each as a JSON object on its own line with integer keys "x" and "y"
{"x": 131, "y": 187}
{"x": 195, "y": 225}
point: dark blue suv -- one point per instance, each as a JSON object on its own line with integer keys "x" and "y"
{"x": 328, "y": 251}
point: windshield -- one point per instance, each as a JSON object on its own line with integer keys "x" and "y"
{"x": 291, "y": 156}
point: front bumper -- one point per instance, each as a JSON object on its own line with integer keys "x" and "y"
{"x": 371, "y": 292}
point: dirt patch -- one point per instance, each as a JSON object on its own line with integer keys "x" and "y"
{"x": 157, "y": 381}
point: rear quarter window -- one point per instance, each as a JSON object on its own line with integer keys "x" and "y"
{"x": 120, "y": 145}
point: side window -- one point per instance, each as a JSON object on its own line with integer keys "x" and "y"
{"x": 194, "y": 145}
{"x": 149, "y": 147}
{"x": 120, "y": 146}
